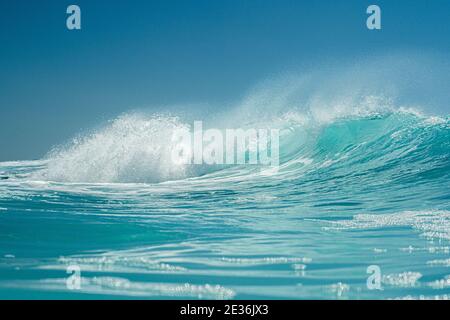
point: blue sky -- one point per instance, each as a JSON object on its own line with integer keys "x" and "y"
{"x": 150, "y": 54}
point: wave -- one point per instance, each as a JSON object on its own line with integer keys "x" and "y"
{"x": 132, "y": 148}
{"x": 137, "y": 148}
{"x": 343, "y": 121}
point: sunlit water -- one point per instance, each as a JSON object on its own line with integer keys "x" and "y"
{"x": 353, "y": 192}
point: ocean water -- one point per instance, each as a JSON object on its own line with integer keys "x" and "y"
{"x": 354, "y": 190}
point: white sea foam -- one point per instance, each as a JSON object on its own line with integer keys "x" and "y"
{"x": 441, "y": 283}
{"x": 404, "y": 279}
{"x": 132, "y": 148}
{"x": 266, "y": 260}
{"x": 439, "y": 262}
{"x": 424, "y": 297}
{"x": 123, "y": 286}
{"x": 431, "y": 224}
{"x": 119, "y": 263}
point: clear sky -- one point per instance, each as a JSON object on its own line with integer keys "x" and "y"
{"x": 134, "y": 54}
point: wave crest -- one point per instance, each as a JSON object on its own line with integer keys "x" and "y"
{"x": 132, "y": 148}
